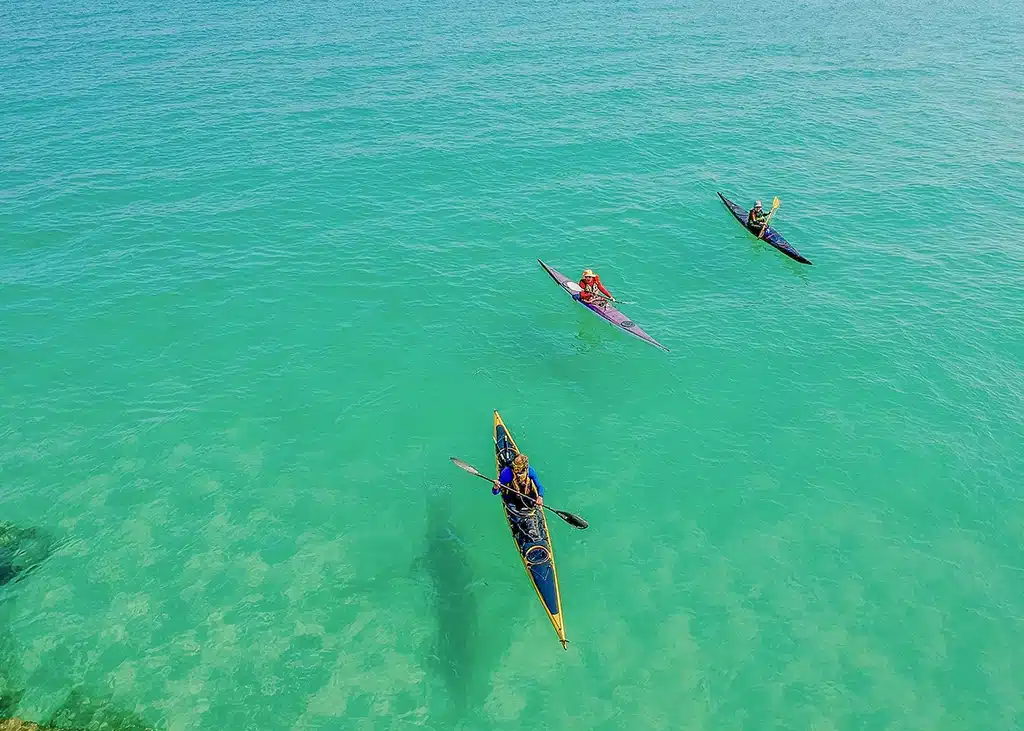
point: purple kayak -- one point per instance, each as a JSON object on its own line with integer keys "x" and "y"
{"x": 604, "y": 310}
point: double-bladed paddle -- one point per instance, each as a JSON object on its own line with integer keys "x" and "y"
{"x": 575, "y": 289}
{"x": 775, "y": 206}
{"x": 574, "y": 520}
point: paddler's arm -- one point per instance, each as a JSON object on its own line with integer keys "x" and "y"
{"x": 540, "y": 487}
{"x": 601, "y": 287}
{"x": 504, "y": 479}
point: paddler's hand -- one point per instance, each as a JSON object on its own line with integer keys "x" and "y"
{"x": 540, "y": 501}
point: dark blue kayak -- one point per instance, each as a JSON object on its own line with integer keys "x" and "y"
{"x": 529, "y": 528}
{"x": 772, "y": 236}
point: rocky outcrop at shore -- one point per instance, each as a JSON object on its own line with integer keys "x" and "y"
{"x": 16, "y": 724}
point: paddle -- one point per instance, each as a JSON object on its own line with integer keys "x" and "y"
{"x": 576, "y": 289}
{"x": 574, "y": 520}
{"x": 775, "y": 206}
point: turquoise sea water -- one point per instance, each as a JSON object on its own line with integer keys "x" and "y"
{"x": 265, "y": 266}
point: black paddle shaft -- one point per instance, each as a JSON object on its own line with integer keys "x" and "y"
{"x": 574, "y": 520}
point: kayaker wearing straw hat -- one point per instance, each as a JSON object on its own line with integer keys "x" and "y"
{"x": 590, "y": 284}
{"x": 521, "y": 477}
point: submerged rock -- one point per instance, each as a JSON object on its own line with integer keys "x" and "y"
{"x": 82, "y": 710}
{"x": 21, "y": 551}
{"x": 8, "y": 699}
{"x": 82, "y": 713}
{"x": 79, "y": 713}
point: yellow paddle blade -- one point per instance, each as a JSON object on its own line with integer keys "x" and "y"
{"x": 776, "y": 202}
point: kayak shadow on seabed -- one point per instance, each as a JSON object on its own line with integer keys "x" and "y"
{"x": 761, "y": 251}
{"x": 594, "y": 337}
{"x": 589, "y": 340}
{"x": 454, "y": 654}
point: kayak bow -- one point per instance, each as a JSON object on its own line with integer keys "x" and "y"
{"x": 529, "y": 529}
{"x": 772, "y": 236}
{"x": 605, "y": 310}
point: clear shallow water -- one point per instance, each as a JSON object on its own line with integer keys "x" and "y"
{"x": 266, "y": 267}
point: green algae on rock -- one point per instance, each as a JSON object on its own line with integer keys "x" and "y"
{"x": 80, "y": 712}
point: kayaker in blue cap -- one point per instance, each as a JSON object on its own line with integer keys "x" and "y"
{"x": 520, "y": 477}
{"x": 756, "y": 216}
